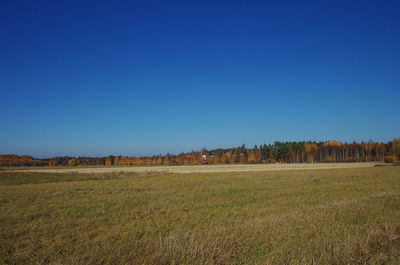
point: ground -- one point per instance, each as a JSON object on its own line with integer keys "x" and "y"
{"x": 308, "y": 216}
{"x": 191, "y": 169}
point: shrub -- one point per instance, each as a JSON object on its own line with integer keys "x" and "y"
{"x": 390, "y": 159}
{"x": 330, "y": 159}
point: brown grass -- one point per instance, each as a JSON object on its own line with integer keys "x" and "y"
{"x": 189, "y": 169}
{"x": 329, "y": 216}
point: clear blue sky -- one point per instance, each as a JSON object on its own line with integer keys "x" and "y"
{"x": 144, "y": 77}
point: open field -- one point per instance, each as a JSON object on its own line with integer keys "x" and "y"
{"x": 191, "y": 169}
{"x": 326, "y": 216}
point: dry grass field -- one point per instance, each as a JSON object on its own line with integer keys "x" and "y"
{"x": 190, "y": 169}
{"x": 325, "y": 216}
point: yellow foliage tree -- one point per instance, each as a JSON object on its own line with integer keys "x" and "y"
{"x": 333, "y": 143}
{"x": 251, "y": 157}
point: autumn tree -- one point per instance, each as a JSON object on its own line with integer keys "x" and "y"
{"x": 72, "y": 162}
{"x": 396, "y": 147}
{"x": 251, "y": 157}
{"x": 310, "y": 149}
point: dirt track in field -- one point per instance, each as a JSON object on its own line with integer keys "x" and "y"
{"x": 199, "y": 168}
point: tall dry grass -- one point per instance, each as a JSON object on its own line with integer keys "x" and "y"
{"x": 340, "y": 216}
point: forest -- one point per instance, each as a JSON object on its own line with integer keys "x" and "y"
{"x": 279, "y": 152}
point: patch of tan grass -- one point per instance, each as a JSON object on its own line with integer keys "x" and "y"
{"x": 335, "y": 216}
{"x": 190, "y": 169}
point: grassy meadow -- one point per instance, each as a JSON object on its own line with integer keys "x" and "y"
{"x": 321, "y": 216}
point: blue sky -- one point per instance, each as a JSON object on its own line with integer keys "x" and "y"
{"x": 145, "y": 77}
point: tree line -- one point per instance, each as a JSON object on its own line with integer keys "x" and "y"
{"x": 279, "y": 152}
